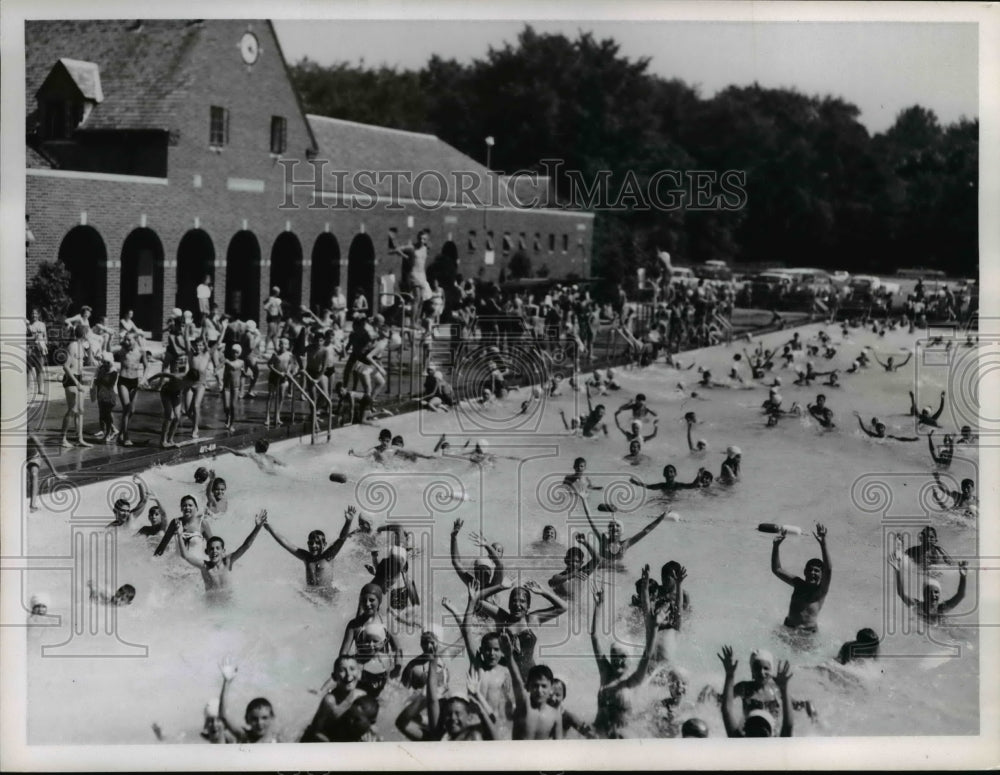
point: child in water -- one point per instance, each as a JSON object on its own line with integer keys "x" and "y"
{"x": 259, "y": 714}
{"x": 809, "y": 593}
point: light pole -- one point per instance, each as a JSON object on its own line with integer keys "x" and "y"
{"x": 489, "y": 185}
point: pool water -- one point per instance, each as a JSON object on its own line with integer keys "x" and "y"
{"x": 285, "y": 640}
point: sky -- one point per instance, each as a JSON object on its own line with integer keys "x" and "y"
{"x": 882, "y": 67}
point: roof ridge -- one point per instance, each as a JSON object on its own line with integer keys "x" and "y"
{"x": 373, "y": 126}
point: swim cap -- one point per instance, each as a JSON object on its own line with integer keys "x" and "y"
{"x": 933, "y": 583}
{"x": 763, "y": 715}
{"x": 702, "y": 443}
{"x": 40, "y": 598}
{"x": 927, "y": 409}
{"x": 762, "y": 657}
{"x": 176, "y": 312}
{"x": 188, "y": 315}
{"x": 483, "y": 562}
{"x": 212, "y": 708}
{"x": 398, "y": 553}
{"x": 733, "y": 451}
{"x": 252, "y": 325}
{"x": 237, "y": 349}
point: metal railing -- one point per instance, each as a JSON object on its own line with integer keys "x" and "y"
{"x": 314, "y": 417}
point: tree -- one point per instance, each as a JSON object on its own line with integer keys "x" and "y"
{"x": 48, "y": 290}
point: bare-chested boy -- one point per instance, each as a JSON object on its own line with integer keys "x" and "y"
{"x": 534, "y": 717}
{"x": 809, "y": 593}
{"x": 318, "y": 558}
{"x": 217, "y": 565}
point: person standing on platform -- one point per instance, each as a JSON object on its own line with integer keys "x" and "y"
{"x": 204, "y": 295}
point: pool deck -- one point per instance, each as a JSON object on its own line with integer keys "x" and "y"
{"x": 108, "y": 461}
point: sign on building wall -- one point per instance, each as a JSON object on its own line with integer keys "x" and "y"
{"x": 490, "y": 257}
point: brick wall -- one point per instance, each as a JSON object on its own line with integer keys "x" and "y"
{"x": 199, "y": 191}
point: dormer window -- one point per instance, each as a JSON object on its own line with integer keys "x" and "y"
{"x": 66, "y": 97}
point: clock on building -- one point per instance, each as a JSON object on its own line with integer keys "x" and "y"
{"x": 249, "y": 48}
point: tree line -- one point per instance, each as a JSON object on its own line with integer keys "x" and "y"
{"x": 818, "y": 189}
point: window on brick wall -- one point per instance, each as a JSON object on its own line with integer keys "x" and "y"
{"x": 552, "y": 242}
{"x": 565, "y": 242}
{"x": 218, "y": 126}
{"x": 472, "y": 240}
{"x": 279, "y": 134}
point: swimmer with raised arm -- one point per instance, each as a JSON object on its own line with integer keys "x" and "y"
{"x": 930, "y": 606}
{"x": 318, "y": 558}
{"x": 929, "y": 552}
{"x": 878, "y": 430}
{"x": 889, "y": 365}
{"x": 638, "y": 408}
{"x": 694, "y": 447}
{"x": 924, "y": 416}
{"x": 588, "y": 425}
{"x": 615, "y": 696}
{"x": 670, "y": 483}
{"x": 217, "y": 565}
{"x": 964, "y": 498}
{"x": 809, "y": 593}
{"x": 534, "y": 717}
{"x": 612, "y": 546}
{"x": 942, "y": 459}
{"x": 485, "y": 664}
{"x": 634, "y": 432}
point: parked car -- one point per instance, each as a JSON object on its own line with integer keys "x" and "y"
{"x": 683, "y": 276}
{"x": 769, "y": 289}
{"x": 808, "y": 285}
{"x": 713, "y": 270}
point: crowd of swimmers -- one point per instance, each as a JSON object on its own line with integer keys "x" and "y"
{"x": 506, "y": 691}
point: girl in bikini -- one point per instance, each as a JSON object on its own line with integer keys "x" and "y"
{"x": 368, "y": 640}
{"x": 517, "y": 620}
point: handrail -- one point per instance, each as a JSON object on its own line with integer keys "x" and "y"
{"x": 312, "y": 425}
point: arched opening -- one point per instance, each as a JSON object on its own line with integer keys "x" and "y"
{"x": 325, "y": 274}
{"x": 286, "y": 268}
{"x": 243, "y": 276}
{"x": 85, "y": 256}
{"x": 361, "y": 269}
{"x": 195, "y": 260}
{"x": 444, "y": 267}
{"x": 142, "y": 280}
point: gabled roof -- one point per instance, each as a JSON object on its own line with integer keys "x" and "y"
{"x": 142, "y": 75}
{"x": 86, "y": 76}
{"x": 353, "y": 147}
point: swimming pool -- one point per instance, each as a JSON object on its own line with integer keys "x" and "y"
{"x": 285, "y": 641}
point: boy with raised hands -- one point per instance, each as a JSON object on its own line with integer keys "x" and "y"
{"x": 494, "y": 679}
{"x": 534, "y": 717}
{"x": 318, "y": 557}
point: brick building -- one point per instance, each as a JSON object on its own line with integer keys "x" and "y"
{"x": 161, "y": 151}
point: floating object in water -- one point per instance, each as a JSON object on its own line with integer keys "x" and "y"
{"x": 737, "y": 357}
{"x": 770, "y": 527}
{"x": 673, "y": 516}
{"x": 167, "y": 536}
{"x": 458, "y": 494}
{"x": 338, "y": 477}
